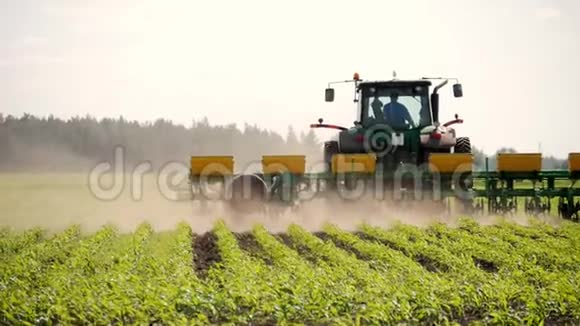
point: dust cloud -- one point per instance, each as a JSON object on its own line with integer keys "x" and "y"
{"x": 52, "y": 158}
{"x": 314, "y": 215}
{"x": 55, "y": 202}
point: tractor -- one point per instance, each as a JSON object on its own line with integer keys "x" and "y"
{"x": 399, "y": 152}
{"x": 404, "y": 137}
{"x": 398, "y": 125}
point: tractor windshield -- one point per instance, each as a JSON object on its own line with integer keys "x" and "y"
{"x": 402, "y": 108}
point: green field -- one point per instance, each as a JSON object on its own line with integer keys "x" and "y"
{"x": 504, "y": 273}
{"x": 68, "y": 258}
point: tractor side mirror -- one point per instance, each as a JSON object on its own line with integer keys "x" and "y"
{"x": 435, "y": 106}
{"x": 329, "y": 95}
{"x": 457, "y": 90}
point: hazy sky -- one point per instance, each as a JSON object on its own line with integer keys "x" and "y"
{"x": 268, "y": 62}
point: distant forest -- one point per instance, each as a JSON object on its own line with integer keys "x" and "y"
{"x": 29, "y": 143}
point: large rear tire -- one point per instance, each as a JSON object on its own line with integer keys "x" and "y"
{"x": 463, "y": 145}
{"x": 247, "y": 194}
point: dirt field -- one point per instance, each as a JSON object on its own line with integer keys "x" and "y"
{"x": 247, "y": 269}
{"x": 55, "y": 201}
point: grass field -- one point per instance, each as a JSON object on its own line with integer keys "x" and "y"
{"x": 68, "y": 258}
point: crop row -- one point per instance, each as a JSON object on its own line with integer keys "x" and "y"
{"x": 503, "y": 273}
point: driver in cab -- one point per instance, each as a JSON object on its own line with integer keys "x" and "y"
{"x": 396, "y": 114}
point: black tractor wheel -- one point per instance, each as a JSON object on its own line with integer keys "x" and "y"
{"x": 463, "y": 145}
{"x": 248, "y": 194}
{"x": 330, "y": 148}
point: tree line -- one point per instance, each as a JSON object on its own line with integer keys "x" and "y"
{"x": 53, "y": 144}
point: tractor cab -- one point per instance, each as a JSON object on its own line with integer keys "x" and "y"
{"x": 398, "y": 120}
{"x": 401, "y": 105}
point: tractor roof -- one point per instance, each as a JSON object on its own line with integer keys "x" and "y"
{"x": 395, "y": 83}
